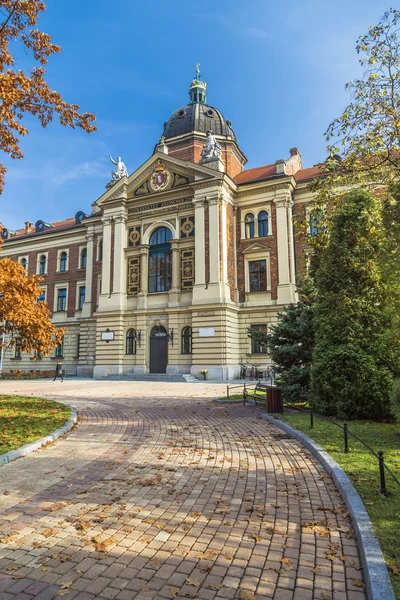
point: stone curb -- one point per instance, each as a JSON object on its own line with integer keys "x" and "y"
{"x": 24, "y": 450}
{"x": 376, "y": 574}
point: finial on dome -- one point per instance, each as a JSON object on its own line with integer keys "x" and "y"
{"x": 198, "y": 89}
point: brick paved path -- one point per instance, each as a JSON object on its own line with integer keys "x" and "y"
{"x": 153, "y": 499}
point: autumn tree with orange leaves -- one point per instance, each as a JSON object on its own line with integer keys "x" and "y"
{"x": 22, "y": 93}
{"x": 23, "y": 317}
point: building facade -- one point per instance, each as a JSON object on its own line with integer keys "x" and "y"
{"x": 176, "y": 261}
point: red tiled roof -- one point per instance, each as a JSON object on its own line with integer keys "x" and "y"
{"x": 57, "y": 226}
{"x": 257, "y": 174}
{"x": 269, "y": 171}
{"x": 309, "y": 173}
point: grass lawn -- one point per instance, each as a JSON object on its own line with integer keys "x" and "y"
{"x": 362, "y": 468}
{"x": 24, "y": 419}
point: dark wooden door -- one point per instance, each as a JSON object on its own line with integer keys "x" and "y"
{"x": 158, "y": 350}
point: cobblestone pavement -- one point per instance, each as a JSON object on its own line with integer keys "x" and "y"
{"x": 165, "y": 497}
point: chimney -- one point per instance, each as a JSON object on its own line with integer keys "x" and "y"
{"x": 294, "y": 151}
{"x": 28, "y": 227}
{"x": 280, "y": 167}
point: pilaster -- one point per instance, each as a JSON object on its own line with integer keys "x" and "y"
{"x": 174, "y": 293}
{"x": 144, "y": 266}
{"x": 118, "y": 296}
{"x": 87, "y": 306}
{"x": 286, "y": 287}
{"x": 106, "y": 264}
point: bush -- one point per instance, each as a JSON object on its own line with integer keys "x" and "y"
{"x": 395, "y": 400}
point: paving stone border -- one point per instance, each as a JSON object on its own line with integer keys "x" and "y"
{"x": 28, "y": 448}
{"x": 376, "y": 574}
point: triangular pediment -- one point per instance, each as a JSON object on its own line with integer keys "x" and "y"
{"x": 257, "y": 247}
{"x": 160, "y": 174}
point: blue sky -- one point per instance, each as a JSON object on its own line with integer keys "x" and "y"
{"x": 276, "y": 69}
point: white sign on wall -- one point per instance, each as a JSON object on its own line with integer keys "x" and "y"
{"x": 206, "y": 331}
{"x": 158, "y": 317}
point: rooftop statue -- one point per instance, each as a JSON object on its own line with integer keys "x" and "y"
{"x": 121, "y": 170}
{"x": 211, "y": 148}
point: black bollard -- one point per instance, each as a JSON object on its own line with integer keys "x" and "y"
{"x": 383, "y": 489}
{"x": 346, "y": 438}
{"x": 311, "y": 418}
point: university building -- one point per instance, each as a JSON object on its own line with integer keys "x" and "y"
{"x": 175, "y": 261}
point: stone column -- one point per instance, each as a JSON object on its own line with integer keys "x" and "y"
{"x": 286, "y": 288}
{"x": 87, "y": 306}
{"x": 106, "y": 263}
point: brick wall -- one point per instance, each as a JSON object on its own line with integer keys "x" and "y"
{"x": 191, "y": 147}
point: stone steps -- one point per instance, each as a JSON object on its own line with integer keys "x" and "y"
{"x": 155, "y": 377}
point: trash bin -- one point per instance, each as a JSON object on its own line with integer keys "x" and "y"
{"x": 274, "y": 400}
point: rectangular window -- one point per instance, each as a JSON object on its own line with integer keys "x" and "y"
{"x": 37, "y": 355}
{"x": 62, "y": 299}
{"x": 256, "y": 347}
{"x": 17, "y": 354}
{"x": 160, "y": 271}
{"x": 82, "y": 292}
{"x": 42, "y": 296}
{"x": 258, "y": 276}
{"x": 60, "y": 350}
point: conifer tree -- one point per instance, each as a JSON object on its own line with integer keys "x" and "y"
{"x": 356, "y": 353}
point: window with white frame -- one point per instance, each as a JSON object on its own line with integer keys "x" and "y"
{"x": 249, "y": 226}
{"x": 42, "y": 264}
{"x": 256, "y": 346}
{"x": 81, "y": 296}
{"x": 63, "y": 262}
{"x": 23, "y": 260}
{"x": 61, "y": 299}
{"x": 258, "y": 271}
{"x": 258, "y": 275}
{"x": 262, "y": 220}
{"x": 83, "y": 258}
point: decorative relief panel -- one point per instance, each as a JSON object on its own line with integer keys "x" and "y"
{"x": 133, "y": 286}
{"x": 180, "y": 180}
{"x": 142, "y": 190}
{"x": 187, "y": 227}
{"x": 134, "y": 236}
{"x": 187, "y": 269}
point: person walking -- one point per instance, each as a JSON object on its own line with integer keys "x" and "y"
{"x": 59, "y": 372}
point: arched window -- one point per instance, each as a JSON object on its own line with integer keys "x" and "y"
{"x": 262, "y": 223}
{"x": 63, "y": 261}
{"x": 249, "y": 225}
{"x": 131, "y": 341}
{"x": 83, "y": 258}
{"x": 42, "y": 265}
{"x": 100, "y": 250}
{"x": 23, "y": 262}
{"x": 160, "y": 261}
{"x": 187, "y": 340}
{"x": 315, "y": 222}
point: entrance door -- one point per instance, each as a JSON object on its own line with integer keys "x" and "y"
{"x": 158, "y": 350}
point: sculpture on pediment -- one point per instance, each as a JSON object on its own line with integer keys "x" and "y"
{"x": 211, "y": 148}
{"x": 121, "y": 170}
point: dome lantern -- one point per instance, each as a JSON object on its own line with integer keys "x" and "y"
{"x": 198, "y": 89}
